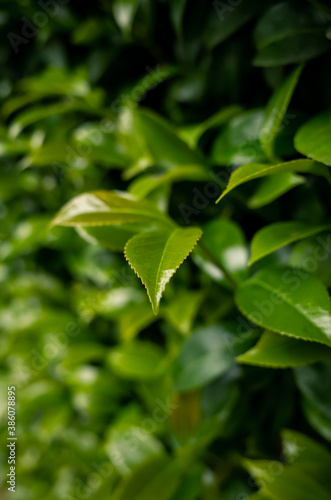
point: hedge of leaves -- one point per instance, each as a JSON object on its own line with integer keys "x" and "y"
{"x": 166, "y": 249}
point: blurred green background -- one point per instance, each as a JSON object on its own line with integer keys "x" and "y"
{"x": 92, "y": 416}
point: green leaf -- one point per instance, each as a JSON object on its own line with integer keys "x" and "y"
{"x": 279, "y": 481}
{"x": 308, "y": 456}
{"x": 25, "y": 237}
{"x": 317, "y": 419}
{"x": 157, "y": 478}
{"x": 156, "y": 255}
{"x": 112, "y": 237}
{"x": 284, "y": 38}
{"x": 282, "y": 21}
{"x": 314, "y": 382}
{"x": 225, "y": 240}
{"x": 208, "y": 353}
{"x": 137, "y": 360}
{"x": 100, "y": 145}
{"x": 304, "y": 451}
{"x": 128, "y": 446}
{"x": 288, "y": 301}
{"x": 192, "y": 133}
{"x": 239, "y": 142}
{"x": 177, "y": 9}
{"x": 258, "y": 496}
{"x": 33, "y": 115}
{"x": 163, "y": 143}
{"x": 271, "y": 238}
{"x": 227, "y": 18}
{"x": 273, "y": 187}
{"x": 138, "y": 317}
{"x": 181, "y": 311}
{"x": 191, "y": 484}
{"x": 314, "y": 255}
{"x": 106, "y": 208}
{"x": 280, "y": 351}
{"x": 297, "y": 49}
{"x": 275, "y": 112}
{"x": 253, "y": 171}
{"x": 124, "y": 12}
{"x": 313, "y": 138}
{"x": 143, "y": 185}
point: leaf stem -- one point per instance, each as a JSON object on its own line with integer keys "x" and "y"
{"x": 217, "y": 263}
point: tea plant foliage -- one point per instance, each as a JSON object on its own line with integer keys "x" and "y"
{"x": 166, "y": 249}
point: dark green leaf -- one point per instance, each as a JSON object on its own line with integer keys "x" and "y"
{"x": 275, "y": 111}
{"x": 208, "y": 353}
{"x": 271, "y": 238}
{"x": 313, "y": 138}
{"x": 280, "y": 351}
{"x": 289, "y": 301}
{"x": 273, "y": 187}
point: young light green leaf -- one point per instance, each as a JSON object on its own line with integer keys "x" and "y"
{"x": 289, "y": 301}
{"x": 280, "y": 351}
{"x": 273, "y": 187}
{"x": 253, "y": 171}
{"x": 156, "y": 255}
{"x": 106, "y": 208}
{"x": 271, "y": 238}
{"x": 137, "y": 360}
{"x": 313, "y": 138}
{"x": 275, "y": 112}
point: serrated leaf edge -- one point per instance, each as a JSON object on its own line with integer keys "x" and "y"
{"x": 156, "y": 309}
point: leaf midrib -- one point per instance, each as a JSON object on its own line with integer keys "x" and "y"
{"x": 162, "y": 258}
